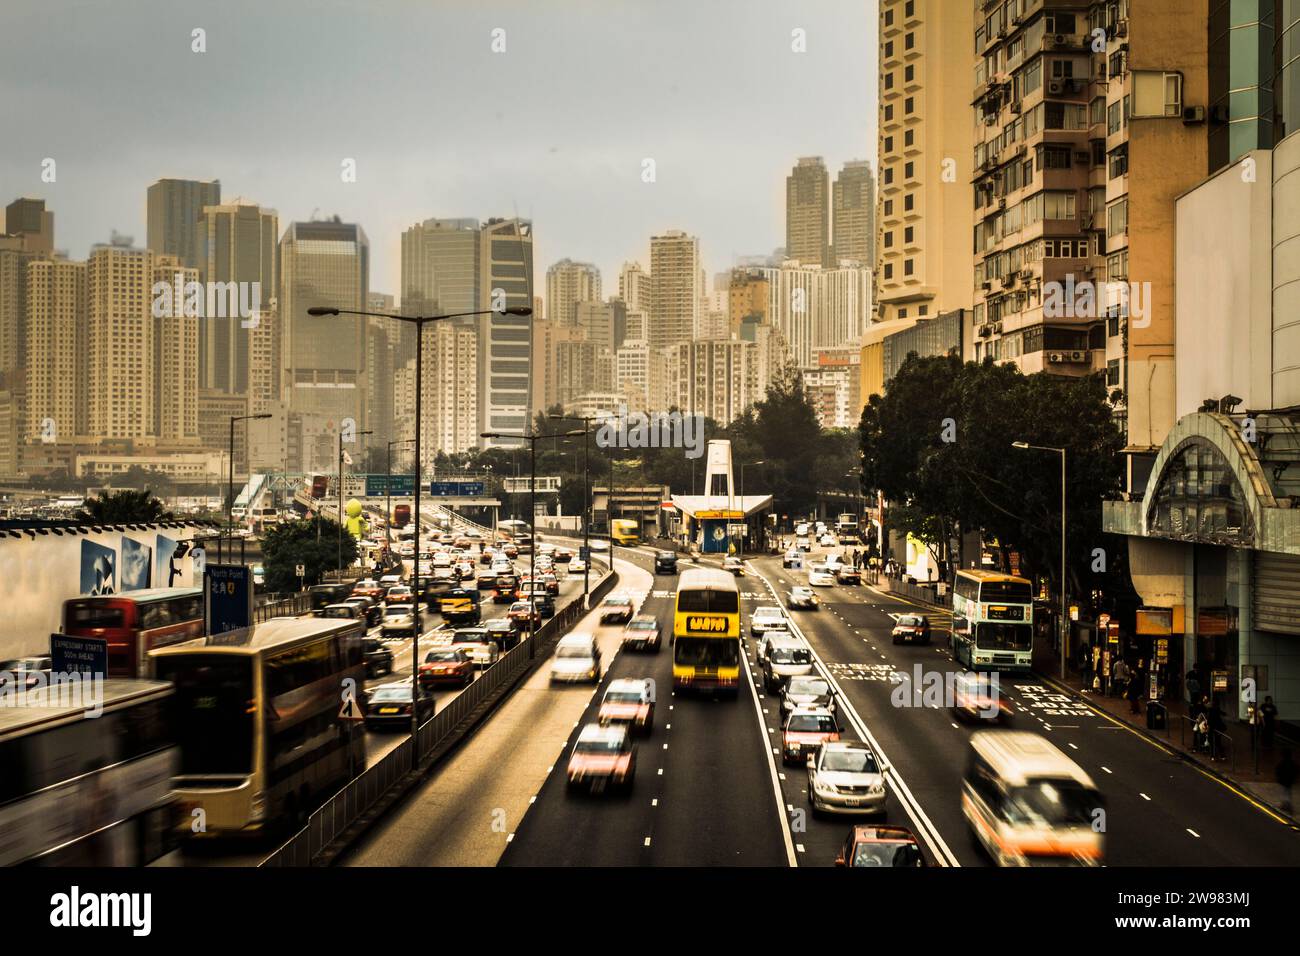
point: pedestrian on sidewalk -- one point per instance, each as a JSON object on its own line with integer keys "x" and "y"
{"x": 1134, "y": 692}
{"x": 1120, "y": 676}
{"x": 1285, "y": 774}
{"x": 1268, "y": 715}
{"x": 1193, "y": 686}
{"x": 1085, "y": 665}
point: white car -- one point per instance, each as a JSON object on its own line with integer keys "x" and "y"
{"x": 845, "y": 776}
{"x": 578, "y": 565}
{"x": 767, "y": 617}
{"x": 577, "y": 658}
{"x": 398, "y": 619}
{"x": 819, "y": 576}
{"x": 827, "y": 540}
{"x": 801, "y": 597}
{"x": 599, "y": 544}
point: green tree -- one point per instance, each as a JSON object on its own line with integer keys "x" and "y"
{"x": 123, "y": 507}
{"x": 784, "y": 430}
{"x": 311, "y": 542}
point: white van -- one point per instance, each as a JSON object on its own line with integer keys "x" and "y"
{"x": 1029, "y": 804}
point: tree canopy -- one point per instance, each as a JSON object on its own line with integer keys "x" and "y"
{"x": 938, "y": 444}
{"x": 123, "y": 507}
{"x": 290, "y": 543}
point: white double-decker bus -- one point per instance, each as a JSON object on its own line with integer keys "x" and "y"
{"x": 992, "y": 621}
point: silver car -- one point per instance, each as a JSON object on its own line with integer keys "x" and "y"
{"x": 845, "y": 776}
{"x": 577, "y": 659}
{"x": 398, "y": 619}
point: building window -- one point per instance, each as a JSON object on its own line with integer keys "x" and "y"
{"x": 889, "y": 207}
{"x": 889, "y": 49}
{"x": 1157, "y": 94}
{"x": 889, "y": 81}
{"x": 1054, "y": 157}
{"x": 908, "y": 233}
{"x": 923, "y": 310}
{"x": 1117, "y": 218}
{"x": 889, "y": 270}
{"x": 907, "y": 267}
{"x": 1119, "y": 161}
{"x": 889, "y": 112}
{"x": 909, "y": 170}
{"x": 1113, "y": 118}
{"x": 889, "y": 144}
{"x": 909, "y": 8}
{"x": 909, "y": 41}
{"x": 909, "y": 73}
{"x": 889, "y": 18}
{"x": 908, "y": 105}
{"x": 908, "y": 203}
{"x": 889, "y": 240}
{"x": 902, "y": 313}
{"x": 908, "y": 137}
{"x": 1198, "y": 497}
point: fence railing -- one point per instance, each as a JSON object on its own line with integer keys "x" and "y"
{"x": 291, "y": 606}
{"x": 359, "y": 795}
{"x": 926, "y": 593}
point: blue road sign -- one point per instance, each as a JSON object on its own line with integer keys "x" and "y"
{"x": 456, "y": 489}
{"x": 399, "y": 486}
{"x": 227, "y": 597}
{"x": 78, "y": 655}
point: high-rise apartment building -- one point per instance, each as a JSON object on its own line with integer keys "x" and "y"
{"x": 1240, "y": 110}
{"x": 807, "y": 199}
{"x": 450, "y": 417}
{"x": 603, "y": 323}
{"x": 676, "y": 288}
{"x": 440, "y": 267}
{"x": 815, "y": 308}
{"x": 120, "y": 341}
{"x": 175, "y": 359}
{"x": 174, "y": 211}
{"x": 1090, "y": 123}
{"x": 568, "y": 284}
{"x": 853, "y": 214}
{"x": 237, "y": 254}
{"x": 55, "y": 351}
{"x": 325, "y": 264}
{"x": 747, "y": 297}
{"x": 634, "y": 287}
{"x": 924, "y": 216}
{"x": 718, "y": 378}
{"x": 14, "y": 262}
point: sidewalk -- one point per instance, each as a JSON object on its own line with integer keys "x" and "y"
{"x": 1234, "y": 758}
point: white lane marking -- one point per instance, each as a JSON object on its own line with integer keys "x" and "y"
{"x": 786, "y": 835}
{"x": 1143, "y": 796}
{"x": 1193, "y": 833}
{"x": 654, "y": 802}
{"x": 1073, "y": 746}
{"x": 647, "y": 842}
{"x": 928, "y": 831}
{"x": 1107, "y": 769}
{"x": 661, "y": 771}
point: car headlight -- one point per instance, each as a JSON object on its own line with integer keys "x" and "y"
{"x": 825, "y": 787}
{"x": 878, "y": 788}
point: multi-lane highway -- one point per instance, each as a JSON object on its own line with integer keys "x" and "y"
{"x": 710, "y": 788}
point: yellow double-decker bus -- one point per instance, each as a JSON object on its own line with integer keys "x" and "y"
{"x": 706, "y": 632}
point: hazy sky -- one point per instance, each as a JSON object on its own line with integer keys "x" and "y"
{"x": 555, "y": 128}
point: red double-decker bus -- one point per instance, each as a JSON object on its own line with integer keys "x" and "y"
{"x": 135, "y": 622}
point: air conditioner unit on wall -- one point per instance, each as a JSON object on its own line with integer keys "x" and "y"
{"x": 1055, "y": 87}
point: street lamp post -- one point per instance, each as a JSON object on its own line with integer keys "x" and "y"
{"x": 745, "y": 518}
{"x": 340, "y": 557}
{"x": 532, "y": 525}
{"x": 419, "y": 321}
{"x": 586, "y": 501}
{"x": 1065, "y": 607}
{"x": 388, "y": 499}
{"x": 230, "y": 482}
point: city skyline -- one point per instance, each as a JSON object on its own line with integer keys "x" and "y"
{"x": 579, "y": 182}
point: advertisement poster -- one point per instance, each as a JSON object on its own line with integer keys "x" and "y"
{"x": 98, "y": 569}
{"x": 137, "y": 565}
{"x": 164, "y": 548}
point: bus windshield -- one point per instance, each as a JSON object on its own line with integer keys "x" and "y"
{"x": 707, "y": 652}
{"x": 214, "y": 707}
{"x": 1003, "y": 637}
{"x": 718, "y": 602}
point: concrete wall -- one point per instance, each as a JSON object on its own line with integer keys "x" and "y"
{"x": 40, "y": 574}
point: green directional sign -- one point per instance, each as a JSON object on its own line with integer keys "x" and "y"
{"x": 398, "y": 486}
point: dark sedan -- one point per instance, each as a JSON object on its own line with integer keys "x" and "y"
{"x": 390, "y": 706}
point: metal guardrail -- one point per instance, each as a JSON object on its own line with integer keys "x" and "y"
{"x": 338, "y": 813}
{"x": 926, "y": 593}
{"x": 294, "y": 606}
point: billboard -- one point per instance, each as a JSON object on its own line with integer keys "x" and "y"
{"x": 137, "y": 565}
{"x": 98, "y": 569}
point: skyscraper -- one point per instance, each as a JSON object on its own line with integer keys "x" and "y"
{"x": 29, "y": 220}
{"x": 853, "y": 214}
{"x": 237, "y": 244}
{"x": 325, "y": 264}
{"x": 924, "y": 198}
{"x": 505, "y": 341}
{"x": 675, "y": 288}
{"x": 807, "y": 191}
{"x": 55, "y": 350}
{"x": 175, "y": 360}
{"x": 120, "y": 341}
{"x": 634, "y": 287}
{"x": 174, "y": 209}
{"x": 569, "y": 283}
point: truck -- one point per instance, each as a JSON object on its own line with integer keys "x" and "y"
{"x": 625, "y": 532}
